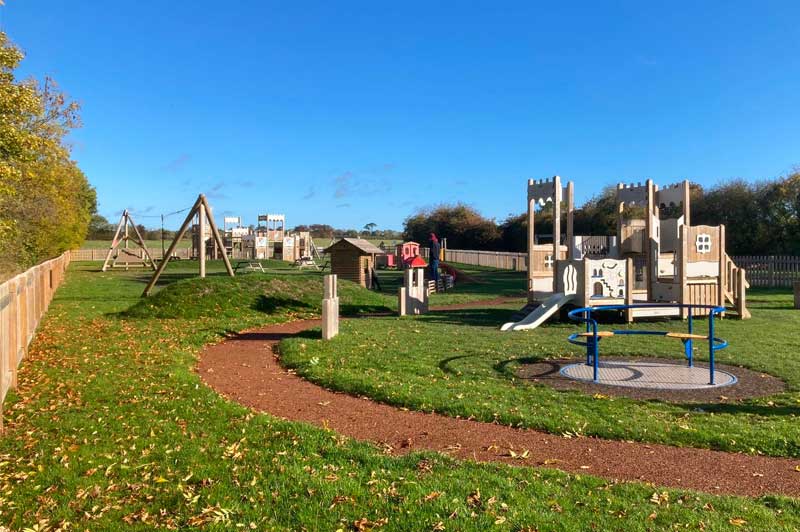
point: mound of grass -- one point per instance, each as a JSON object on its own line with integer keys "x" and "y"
{"x": 458, "y": 363}
{"x": 298, "y": 295}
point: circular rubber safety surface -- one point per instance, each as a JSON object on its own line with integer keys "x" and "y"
{"x": 649, "y": 374}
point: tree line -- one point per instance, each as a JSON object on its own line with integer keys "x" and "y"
{"x": 370, "y": 230}
{"x": 45, "y": 200}
{"x": 761, "y": 218}
{"x": 101, "y": 229}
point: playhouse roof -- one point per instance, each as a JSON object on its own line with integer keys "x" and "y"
{"x": 367, "y": 248}
{"x": 417, "y": 262}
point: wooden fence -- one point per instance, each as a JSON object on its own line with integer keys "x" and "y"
{"x": 501, "y": 260}
{"x": 770, "y": 271}
{"x": 100, "y": 254}
{"x": 23, "y": 301}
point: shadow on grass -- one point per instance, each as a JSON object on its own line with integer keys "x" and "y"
{"x": 744, "y": 408}
{"x": 486, "y": 316}
{"x": 503, "y": 367}
{"x": 172, "y": 277}
{"x": 444, "y": 364}
{"x": 365, "y": 310}
{"x": 277, "y": 336}
{"x": 273, "y": 304}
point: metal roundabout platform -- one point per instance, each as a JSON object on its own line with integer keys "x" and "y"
{"x": 643, "y": 373}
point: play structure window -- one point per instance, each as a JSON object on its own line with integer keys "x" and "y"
{"x": 548, "y": 261}
{"x": 703, "y": 243}
{"x": 597, "y": 290}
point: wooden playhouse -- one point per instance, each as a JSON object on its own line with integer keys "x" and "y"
{"x": 354, "y": 259}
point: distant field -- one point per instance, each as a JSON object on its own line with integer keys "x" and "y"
{"x": 186, "y": 243}
{"x": 103, "y": 244}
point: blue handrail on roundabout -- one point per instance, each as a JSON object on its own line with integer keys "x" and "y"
{"x": 592, "y": 337}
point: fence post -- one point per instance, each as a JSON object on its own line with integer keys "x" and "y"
{"x": 330, "y": 307}
{"x": 771, "y": 271}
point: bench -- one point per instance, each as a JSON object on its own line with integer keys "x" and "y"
{"x": 249, "y": 266}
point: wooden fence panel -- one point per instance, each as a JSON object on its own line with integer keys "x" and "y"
{"x": 767, "y": 271}
{"x": 770, "y": 271}
{"x": 23, "y": 301}
{"x": 100, "y": 254}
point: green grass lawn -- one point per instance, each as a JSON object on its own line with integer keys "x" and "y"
{"x": 459, "y": 363}
{"x": 112, "y": 430}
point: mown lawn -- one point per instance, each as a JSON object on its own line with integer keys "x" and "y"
{"x": 459, "y": 363}
{"x": 112, "y": 430}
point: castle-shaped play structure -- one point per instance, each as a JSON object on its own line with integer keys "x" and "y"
{"x": 650, "y": 260}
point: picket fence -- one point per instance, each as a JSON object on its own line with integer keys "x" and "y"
{"x": 23, "y": 301}
{"x": 770, "y": 271}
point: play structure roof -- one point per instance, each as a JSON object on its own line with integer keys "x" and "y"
{"x": 365, "y": 247}
{"x": 417, "y": 262}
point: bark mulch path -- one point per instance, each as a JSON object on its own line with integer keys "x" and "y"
{"x": 246, "y": 369}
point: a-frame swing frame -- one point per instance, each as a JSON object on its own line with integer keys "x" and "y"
{"x": 123, "y": 227}
{"x": 203, "y": 211}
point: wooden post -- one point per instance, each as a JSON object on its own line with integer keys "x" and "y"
{"x": 125, "y": 242}
{"x": 330, "y": 307}
{"x": 741, "y": 297}
{"x": 652, "y": 211}
{"x": 402, "y": 299}
{"x": 142, "y": 244}
{"x": 686, "y": 201}
{"x": 620, "y": 213}
{"x": 217, "y": 236}
{"x": 684, "y": 289}
{"x": 556, "y": 224}
{"x": 797, "y": 294}
{"x": 630, "y": 277}
{"x": 114, "y": 242}
{"x": 723, "y": 274}
{"x": 771, "y": 271}
{"x": 570, "y": 214}
{"x": 201, "y": 227}
{"x": 531, "y": 239}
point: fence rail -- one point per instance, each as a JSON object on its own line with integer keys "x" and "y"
{"x": 23, "y": 301}
{"x": 502, "y": 260}
{"x": 768, "y": 271}
{"x": 100, "y": 254}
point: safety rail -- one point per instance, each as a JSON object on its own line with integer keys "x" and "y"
{"x": 593, "y": 336}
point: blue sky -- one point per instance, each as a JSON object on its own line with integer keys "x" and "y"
{"x": 348, "y": 113}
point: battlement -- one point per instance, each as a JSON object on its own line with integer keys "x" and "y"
{"x": 546, "y": 190}
{"x": 633, "y": 194}
{"x": 673, "y": 194}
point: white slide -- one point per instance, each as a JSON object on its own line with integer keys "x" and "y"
{"x": 540, "y": 314}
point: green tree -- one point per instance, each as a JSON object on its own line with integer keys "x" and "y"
{"x": 46, "y": 202}
{"x": 462, "y": 225}
{"x": 370, "y": 227}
